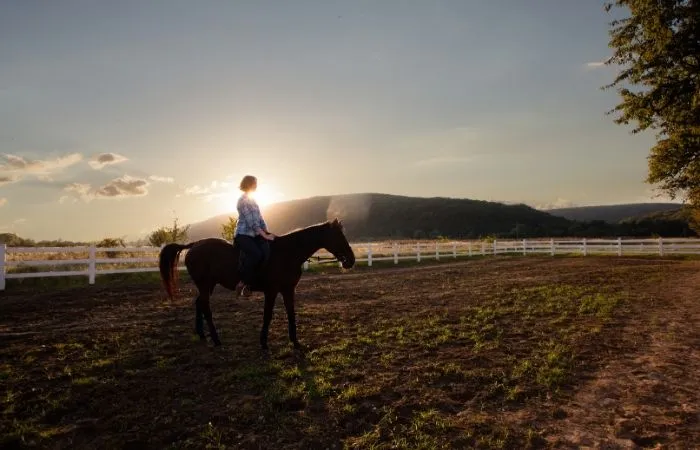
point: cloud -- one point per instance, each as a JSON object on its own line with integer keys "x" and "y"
{"x": 12, "y": 225}
{"x": 8, "y": 179}
{"x": 15, "y": 167}
{"x": 215, "y": 188}
{"x": 159, "y": 179}
{"x": 121, "y": 187}
{"x": 17, "y": 164}
{"x": 67, "y": 199}
{"x": 3, "y": 202}
{"x": 558, "y": 203}
{"x": 106, "y": 159}
{"x": 125, "y": 186}
{"x": 597, "y": 64}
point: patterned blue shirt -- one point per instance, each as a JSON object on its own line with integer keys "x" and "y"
{"x": 250, "y": 221}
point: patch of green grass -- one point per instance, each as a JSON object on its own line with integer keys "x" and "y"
{"x": 84, "y": 381}
{"x": 600, "y": 304}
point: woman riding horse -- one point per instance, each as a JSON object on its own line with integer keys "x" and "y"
{"x": 209, "y": 262}
{"x": 251, "y": 236}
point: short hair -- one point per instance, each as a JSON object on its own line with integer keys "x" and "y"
{"x": 248, "y": 182}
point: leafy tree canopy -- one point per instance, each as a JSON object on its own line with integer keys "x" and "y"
{"x": 166, "y": 235}
{"x": 658, "y": 48}
{"x": 228, "y": 229}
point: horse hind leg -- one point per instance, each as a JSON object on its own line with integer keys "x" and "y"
{"x": 205, "y": 308}
{"x": 199, "y": 320}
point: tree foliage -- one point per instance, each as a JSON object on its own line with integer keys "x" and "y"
{"x": 228, "y": 229}
{"x": 657, "y": 47}
{"x": 111, "y": 243}
{"x": 166, "y": 235}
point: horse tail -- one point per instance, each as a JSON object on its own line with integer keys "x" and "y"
{"x": 167, "y": 262}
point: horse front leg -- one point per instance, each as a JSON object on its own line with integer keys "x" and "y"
{"x": 288, "y": 296}
{"x": 270, "y": 297}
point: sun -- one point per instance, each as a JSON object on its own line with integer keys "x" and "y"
{"x": 266, "y": 195}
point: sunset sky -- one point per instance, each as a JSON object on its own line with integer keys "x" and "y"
{"x": 116, "y": 116}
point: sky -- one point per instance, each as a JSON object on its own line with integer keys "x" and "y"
{"x": 116, "y": 117}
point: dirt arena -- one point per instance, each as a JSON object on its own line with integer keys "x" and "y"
{"x": 504, "y": 352}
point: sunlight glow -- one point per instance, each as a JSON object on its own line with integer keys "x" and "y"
{"x": 264, "y": 195}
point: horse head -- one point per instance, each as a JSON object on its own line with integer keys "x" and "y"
{"x": 336, "y": 243}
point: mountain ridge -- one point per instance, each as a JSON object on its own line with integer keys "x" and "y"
{"x": 369, "y": 216}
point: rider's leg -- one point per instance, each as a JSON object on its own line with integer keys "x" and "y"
{"x": 253, "y": 255}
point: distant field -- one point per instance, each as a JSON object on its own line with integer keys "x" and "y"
{"x": 505, "y": 352}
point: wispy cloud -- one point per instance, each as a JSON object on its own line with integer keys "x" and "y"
{"x": 159, "y": 179}
{"x": 597, "y": 64}
{"x": 106, "y": 159}
{"x": 16, "y": 167}
{"x": 12, "y": 225}
{"x": 558, "y": 203}
{"x": 8, "y": 179}
{"x": 3, "y": 202}
{"x": 214, "y": 188}
{"x": 121, "y": 187}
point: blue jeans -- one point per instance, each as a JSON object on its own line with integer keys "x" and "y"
{"x": 256, "y": 252}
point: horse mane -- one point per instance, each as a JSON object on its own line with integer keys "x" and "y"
{"x": 303, "y": 229}
{"x": 301, "y": 233}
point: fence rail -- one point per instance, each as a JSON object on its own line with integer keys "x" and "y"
{"x": 23, "y": 262}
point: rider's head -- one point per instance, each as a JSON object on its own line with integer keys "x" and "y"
{"x": 249, "y": 183}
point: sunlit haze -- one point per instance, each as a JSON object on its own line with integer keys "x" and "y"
{"x": 116, "y": 117}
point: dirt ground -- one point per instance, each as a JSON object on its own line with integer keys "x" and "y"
{"x": 505, "y": 352}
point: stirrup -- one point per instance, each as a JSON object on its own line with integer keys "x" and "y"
{"x": 243, "y": 291}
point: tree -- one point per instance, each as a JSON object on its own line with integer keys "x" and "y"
{"x": 228, "y": 229}
{"x": 111, "y": 243}
{"x": 658, "y": 48}
{"x": 166, "y": 235}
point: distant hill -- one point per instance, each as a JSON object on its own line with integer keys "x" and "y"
{"x": 613, "y": 213}
{"x": 382, "y": 216}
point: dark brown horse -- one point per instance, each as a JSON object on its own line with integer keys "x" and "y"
{"x": 215, "y": 261}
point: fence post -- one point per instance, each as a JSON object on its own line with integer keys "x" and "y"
{"x": 495, "y": 245}
{"x": 619, "y": 246}
{"x": 454, "y": 250}
{"x": 396, "y": 253}
{"x": 3, "y": 251}
{"x": 585, "y": 247}
{"x": 524, "y": 247}
{"x": 552, "y": 248}
{"x": 418, "y": 252}
{"x": 483, "y": 248}
{"x": 437, "y": 251}
{"x": 469, "y": 248}
{"x": 92, "y": 266}
{"x": 661, "y": 246}
{"x": 369, "y": 254}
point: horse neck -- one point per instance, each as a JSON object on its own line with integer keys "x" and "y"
{"x": 304, "y": 243}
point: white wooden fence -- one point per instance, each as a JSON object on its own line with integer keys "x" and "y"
{"x": 23, "y": 262}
